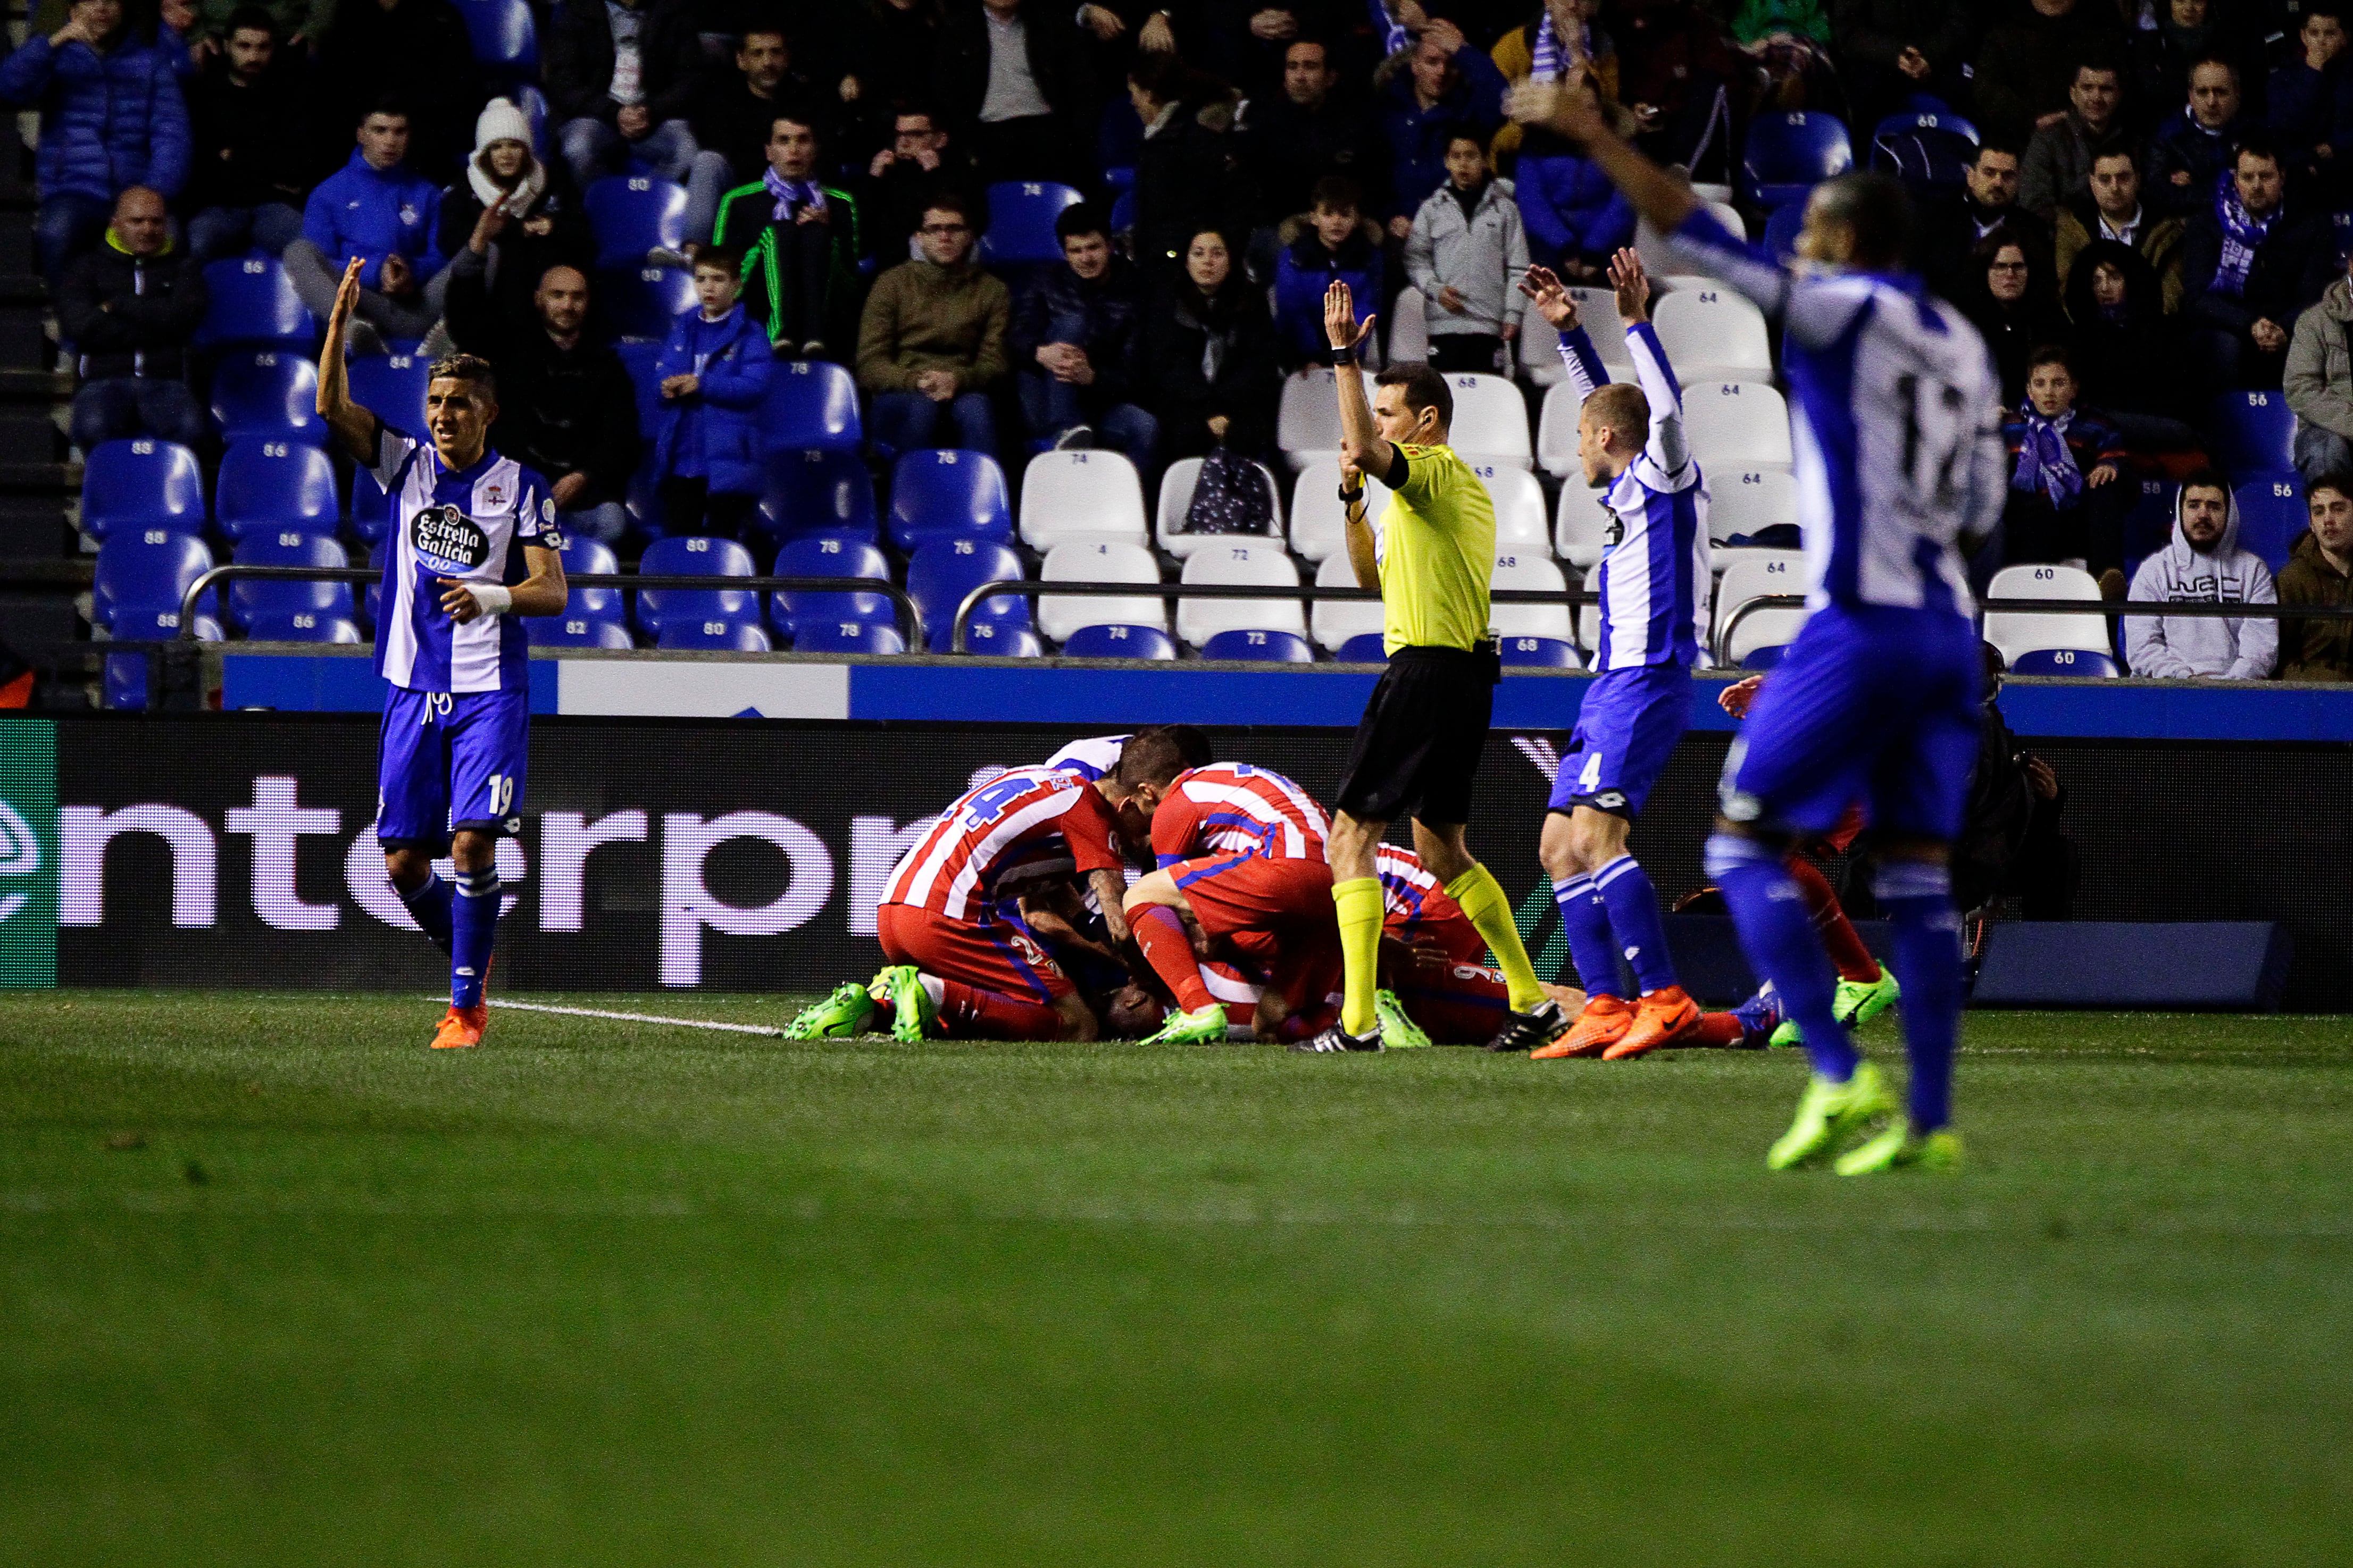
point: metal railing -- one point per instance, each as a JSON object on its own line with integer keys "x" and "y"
{"x": 1033, "y": 589}
{"x": 2149, "y": 608}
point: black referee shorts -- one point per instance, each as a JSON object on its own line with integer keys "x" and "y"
{"x": 1416, "y": 748}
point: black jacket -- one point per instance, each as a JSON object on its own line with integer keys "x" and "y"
{"x": 729, "y": 119}
{"x": 2129, "y": 363}
{"x": 892, "y": 207}
{"x": 1185, "y": 391}
{"x": 241, "y": 156}
{"x": 2295, "y": 261}
{"x": 418, "y": 51}
{"x": 562, "y": 411}
{"x": 1187, "y": 179}
{"x": 130, "y": 315}
{"x": 960, "y": 64}
{"x": 518, "y": 258}
{"x": 579, "y": 65}
{"x": 1105, "y": 317}
{"x": 1287, "y": 149}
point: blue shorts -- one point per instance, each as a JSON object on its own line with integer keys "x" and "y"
{"x": 1625, "y": 733}
{"x": 450, "y": 763}
{"x": 1875, "y": 706}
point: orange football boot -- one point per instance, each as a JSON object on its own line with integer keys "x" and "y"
{"x": 462, "y": 1027}
{"x": 1665, "y": 1015}
{"x": 1604, "y": 1020}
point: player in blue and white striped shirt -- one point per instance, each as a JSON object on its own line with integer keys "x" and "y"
{"x": 1899, "y": 464}
{"x": 1654, "y": 578}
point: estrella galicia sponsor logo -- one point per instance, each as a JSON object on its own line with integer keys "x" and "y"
{"x": 448, "y": 539}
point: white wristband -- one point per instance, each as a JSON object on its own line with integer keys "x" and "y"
{"x": 490, "y": 598}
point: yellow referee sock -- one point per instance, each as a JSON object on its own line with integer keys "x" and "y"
{"x": 1357, "y": 902}
{"x": 1481, "y": 897}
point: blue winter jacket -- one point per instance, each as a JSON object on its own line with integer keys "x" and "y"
{"x": 362, "y": 210}
{"x": 1571, "y": 210}
{"x": 107, "y": 122}
{"x": 715, "y": 433}
{"x": 1417, "y": 136}
{"x": 1302, "y": 272}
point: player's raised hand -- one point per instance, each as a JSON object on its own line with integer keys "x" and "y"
{"x": 347, "y": 300}
{"x": 1632, "y": 284}
{"x": 1551, "y": 298}
{"x": 1340, "y": 323}
{"x": 1572, "y": 112}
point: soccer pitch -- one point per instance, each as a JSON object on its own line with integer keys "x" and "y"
{"x": 279, "y": 1286}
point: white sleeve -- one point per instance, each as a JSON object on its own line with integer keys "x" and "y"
{"x": 1667, "y": 448}
{"x": 1751, "y": 268}
{"x": 393, "y": 450}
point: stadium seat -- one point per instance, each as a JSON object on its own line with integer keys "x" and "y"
{"x": 942, "y": 573}
{"x": 1176, "y": 494}
{"x": 1366, "y": 647}
{"x": 1198, "y": 620}
{"x": 993, "y": 639}
{"x": 1738, "y": 424}
{"x": 846, "y": 636}
{"x": 391, "y": 386}
{"x": 576, "y": 631}
{"x": 1781, "y": 230}
{"x": 2272, "y": 512}
{"x": 1782, "y": 574}
{"x": 126, "y": 673}
{"x": 2252, "y": 432}
{"x": 1259, "y": 647}
{"x": 689, "y": 634}
{"x": 632, "y": 213}
{"x": 1929, "y": 152}
{"x": 1021, "y": 215}
{"x": 305, "y": 626}
{"x": 1122, "y": 206}
{"x": 505, "y": 38}
{"x": 1539, "y": 351}
{"x": 1080, "y": 495}
{"x": 1319, "y": 523}
{"x": 267, "y": 395}
{"x": 1788, "y": 154}
{"x": 1521, "y": 519}
{"x": 1119, "y": 642}
{"x": 251, "y": 600}
{"x": 1588, "y": 614}
{"x": 939, "y": 493}
{"x": 1335, "y": 622}
{"x": 1581, "y": 532}
{"x": 249, "y": 301}
{"x": 819, "y": 492}
{"x": 1490, "y": 421}
{"x": 2149, "y": 522}
{"x": 1540, "y": 653}
{"x": 1530, "y": 573}
{"x": 2042, "y": 582}
{"x": 791, "y": 609}
{"x": 642, "y": 301}
{"x": 1712, "y": 334}
{"x": 273, "y": 487}
{"x": 1408, "y": 329}
{"x": 2016, "y": 634}
{"x": 1744, "y": 502}
{"x": 2082, "y": 663}
{"x": 146, "y": 570}
{"x": 1098, "y": 560}
{"x": 812, "y": 408}
{"x": 368, "y": 508}
{"x": 586, "y": 557}
{"x": 1307, "y": 421}
{"x": 692, "y": 556}
{"x": 140, "y": 483}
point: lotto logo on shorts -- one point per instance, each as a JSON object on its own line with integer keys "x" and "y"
{"x": 447, "y": 539}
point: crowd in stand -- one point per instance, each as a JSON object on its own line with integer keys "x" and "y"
{"x": 2152, "y": 213}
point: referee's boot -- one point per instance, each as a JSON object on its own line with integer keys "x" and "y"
{"x": 1336, "y": 1039}
{"x": 1534, "y": 1030}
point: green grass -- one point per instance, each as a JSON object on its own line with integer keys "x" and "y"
{"x": 615, "y": 1294}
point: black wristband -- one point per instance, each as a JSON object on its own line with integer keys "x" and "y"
{"x": 1340, "y": 357}
{"x": 1349, "y": 497}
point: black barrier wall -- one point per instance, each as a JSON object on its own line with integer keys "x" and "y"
{"x": 236, "y": 849}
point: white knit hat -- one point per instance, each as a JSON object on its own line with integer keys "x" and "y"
{"x": 500, "y": 121}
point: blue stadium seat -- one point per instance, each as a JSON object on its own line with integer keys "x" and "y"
{"x": 817, "y": 493}
{"x": 369, "y": 508}
{"x": 995, "y": 641}
{"x": 305, "y": 626}
{"x": 268, "y": 395}
{"x": 505, "y": 38}
{"x": 695, "y": 557}
{"x": 607, "y": 605}
{"x": 1119, "y": 642}
{"x": 126, "y": 673}
{"x": 1021, "y": 215}
{"x": 2148, "y": 523}
{"x": 275, "y": 486}
{"x": 942, "y": 573}
{"x": 1364, "y": 647}
{"x": 1122, "y": 212}
{"x": 1781, "y": 229}
{"x": 812, "y": 408}
{"x": 846, "y": 636}
{"x": 250, "y": 300}
{"x": 830, "y": 557}
{"x": 1791, "y": 154}
{"x": 2251, "y": 431}
{"x": 250, "y": 600}
{"x": 633, "y": 214}
{"x": 1763, "y": 657}
{"x": 1269, "y": 648}
{"x": 1926, "y": 152}
{"x": 391, "y": 386}
{"x": 943, "y": 493}
{"x": 146, "y": 570}
{"x": 140, "y": 483}
{"x": 1119, "y": 142}
{"x": 2272, "y": 512}
{"x": 642, "y": 301}
{"x": 693, "y": 635}
{"x": 1540, "y": 653}
{"x": 571, "y": 631}
{"x": 2065, "y": 661}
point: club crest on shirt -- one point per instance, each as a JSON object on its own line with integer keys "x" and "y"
{"x": 447, "y": 540}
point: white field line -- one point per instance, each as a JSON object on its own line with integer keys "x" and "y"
{"x": 639, "y": 1018}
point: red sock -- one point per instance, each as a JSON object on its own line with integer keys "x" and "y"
{"x": 968, "y": 1012}
{"x": 1716, "y": 1030}
{"x": 1838, "y": 933}
{"x": 1160, "y": 932}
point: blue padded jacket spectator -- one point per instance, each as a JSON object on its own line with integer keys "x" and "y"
{"x": 107, "y": 120}
{"x": 361, "y": 210}
{"x": 715, "y": 434}
{"x": 1303, "y": 271}
{"x": 1417, "y": 136}
{"x": 1571, "y": 210}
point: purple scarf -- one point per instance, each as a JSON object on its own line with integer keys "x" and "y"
{"x": 792, "y": 195}
{"x": 2242, "y": 234}
{"x": 2045, "y": 462}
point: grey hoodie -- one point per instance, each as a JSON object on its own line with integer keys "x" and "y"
{"x": 1482, "y": 259}
{"x": 2179, "y": 646}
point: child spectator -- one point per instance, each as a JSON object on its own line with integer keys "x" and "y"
{"x": 2204, "y": 565}
{"x": 2320, "y": 571}
{"x": 931, "y": 346}
{"x": 714, "y": 373}
{"x": 1336, "y": 243}
{"x": 246, "y": 182}
{"x": 1441, "y": 84}
{"x": 799, "y": 239}
{"x": 1466, "y": 253}
{"x": 2061, "y": 457}
{"x": 378, "y": 209}
{"x": 2310, "y": 100}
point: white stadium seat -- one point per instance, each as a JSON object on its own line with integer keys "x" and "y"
{"x": 1529, "y": 573}
{"x": 1491, "y": 420}
{"x": 1408, "y": 329}
{"x": 1589, "y": 616}
{"x": 1713, "y": 196}
{"x": 1090, "y": 495}
{"x": 1743, "y": 500}
{"x": 1176, "y": 494}
{"x": 1520, "y": 521}
{"x": 1540, "y": 345}
{"x": 1712, "y": 334}
{"x": 1307, "y": 424}
{"x": 1738, "y": 424}
{"x": 1318, "y": 520}
{"x": 1763, "y": 574}
{"x": 1582, "y": 531}
{"x": 1334, "y": 622}
{"x": 1198, "y": 620}
{"x": 1103, "y": 561}
{"x": 2014, "y": 634}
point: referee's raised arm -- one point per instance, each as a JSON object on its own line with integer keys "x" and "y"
{"x": 1361, "y": 445}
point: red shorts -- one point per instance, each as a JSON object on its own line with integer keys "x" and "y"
{"x": 1232, "y": 893}
{"x": 1849, "y": 828}
{"x": 992, "y": 957}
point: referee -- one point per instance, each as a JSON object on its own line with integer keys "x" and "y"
{"x": 1416, "y": 748}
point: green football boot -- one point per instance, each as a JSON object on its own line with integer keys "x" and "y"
{"x": 1828, "y": 1115}
{"x": 1859, "y": 1002}
{"x": 1201, "y": 1026}
{"x": 1897, "y": 1149}
{"x": 911, "y": 1013}
{"x": 1397, "y": 1032}
{"x": 837, "y": 1017}
{"x": 1788, "y": 1033}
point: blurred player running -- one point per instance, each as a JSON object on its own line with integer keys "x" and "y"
{"x": 1899, "y": 459}
{"x": 473, "y": 546}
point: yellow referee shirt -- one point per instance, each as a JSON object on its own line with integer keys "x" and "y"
{"x": 1438, "y": 552}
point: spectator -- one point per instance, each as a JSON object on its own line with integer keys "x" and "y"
{"x": 2204, "y": 565}
{"x": 296, "y": 24}
{"x": 798, "y": 237}
{"x": 2172, "y": 36}
{"x": 416, "y": 51}
{"x": 2058, "y": 164}
{"x": 2011, "y": 302}
{"x": 2126, "y": 350}
{"x": 1015, "y": 84}
{"x": 2112, "y": 209}
{"x": 1575, "y": 216}
{"x": 731, "y": 118}
{"x": 1673, "y": 67}
{"x": 1789, "y": 40}
{"x": 2065, "y": 463}
{"x": 931, "y": 346}
{"x": 1308, "y": 130}
{"x": 921, "y": 159}
{"x": 2026, "y": 65}
{"x": 1561, "y": 42}
{"x": 111, "y": 117}
{"x": 1185, "y": 172}
{"x": 1444, "y": 84}
{"x": 246, "y": 179}
{"x": 566, "y": 405}
{"x": 378, "y": 209}
{"x": 1077, "y": 338}
{"x": 621, "y": 78}
{"x": 1466, "y": 255}
{"x": 1212, "y": 356}
{"x": 1239, "y": 41}
{"x": 506, "y": 222}
{"x": 2247, "y": 264}
{"x": 2318, "y": 380}
{"x": 2012, "y": 841}
{"x": 2186, "y": 154}
{"x": 2310, "y": 100}
{"x": 129, "y": 307}
{"x": 1334, "y": 244}
{"x": 1890, "y": 49}
{"x": 714, "y": 373}
{"x": 888, "y": 46}
{"x": 2320, "y": 571}
{"x": 1988, "y": 201}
